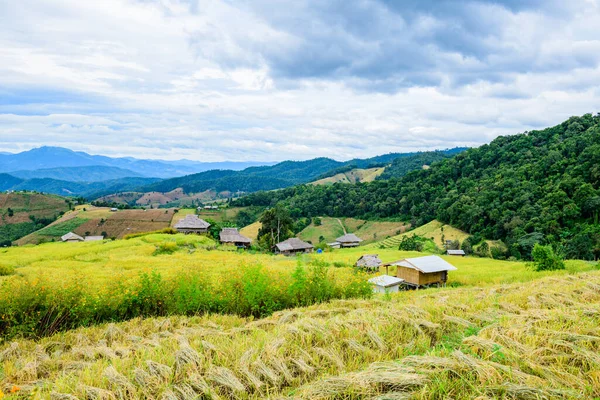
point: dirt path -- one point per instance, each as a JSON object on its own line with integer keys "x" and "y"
{"x": 342, "y": 225}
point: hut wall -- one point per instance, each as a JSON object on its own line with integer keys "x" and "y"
{"x": 434, "y": 277}
{"x": 409, "y": 275}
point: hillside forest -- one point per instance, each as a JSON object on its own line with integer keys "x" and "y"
{"x": 535, "y": 187}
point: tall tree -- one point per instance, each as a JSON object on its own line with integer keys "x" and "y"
{"x": 277, "y": 225}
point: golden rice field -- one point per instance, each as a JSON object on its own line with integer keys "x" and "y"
{"x": 499, "y": 330}
{"x": 98, "y": 262}
{"x": 534, "y": 340}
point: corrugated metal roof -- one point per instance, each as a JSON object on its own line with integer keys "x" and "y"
{"x": 386, "y": 281}
{"x": 427, "y": 264}
{"x": 456, "y": 252}
{"x": 71, "y": 236}
{"x": 93, "y": 238}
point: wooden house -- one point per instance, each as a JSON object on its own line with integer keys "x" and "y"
{"x": 423, "y": 271}
{"x": 231, "y": 236}
{"x": 192, "y": 224}
{"x": 348, "y": 240}
{"x": 460, "y": 253}
{"x": 293, "y": 246}
{"x": 93, "y": 238}
{"x": 386, "y": 284}
{"x": 71, "y": 237}
{"x": 369, "y": 262}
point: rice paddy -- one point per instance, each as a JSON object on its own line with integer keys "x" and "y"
{"x": 538, "y": 340}
{"x": 499, "y": 330}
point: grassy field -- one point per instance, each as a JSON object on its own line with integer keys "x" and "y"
{"x": 369, "y": 231}
{"x": 251, "y": 231}
{"x": 537, "y": 339}
{"x": 434, "y": 230}
{"x": 353, "y": 176}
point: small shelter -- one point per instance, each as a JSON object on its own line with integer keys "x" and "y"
{"x": 114, "y": 209}
{"x": 386, "y": 284}
{"x": 293, "y": 246}
{"x": 71, "y": 237}
{"x": 423, "y": 271}
{"x": 93, "y": 238}
{"x": 369, "y": 262}
{"x": 233, "y": 237}
{"x": 455, "y": 253}
{"x": 192, "y": 224}
{"x": 349, "y": 240}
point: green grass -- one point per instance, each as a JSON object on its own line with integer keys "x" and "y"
{"x": 62, "y": 228}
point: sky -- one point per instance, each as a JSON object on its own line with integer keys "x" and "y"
{"x": 257, "y": 80}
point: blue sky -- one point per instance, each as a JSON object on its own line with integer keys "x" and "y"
{"x": 273, "y": 80}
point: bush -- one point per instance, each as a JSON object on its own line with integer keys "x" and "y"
{"x": 544, "y": 258}
{"x": 6, "y": 270}
{"x": 166, "y": 248}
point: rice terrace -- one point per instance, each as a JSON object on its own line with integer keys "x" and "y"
{"x": 320, "y": 200}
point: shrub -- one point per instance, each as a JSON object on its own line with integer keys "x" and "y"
{"x": 6, "y": 270}
{"x": 166, "y": 248}
{"x": 544, "y": 258}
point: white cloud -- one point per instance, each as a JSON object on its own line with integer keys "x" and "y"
{"x": 215, "y": 80}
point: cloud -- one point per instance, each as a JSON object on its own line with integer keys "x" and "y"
{"x": 263, "y": 80}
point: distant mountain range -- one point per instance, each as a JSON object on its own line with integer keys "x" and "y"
{"x": 44, "y": 158}
{"x": 61, "y": 171}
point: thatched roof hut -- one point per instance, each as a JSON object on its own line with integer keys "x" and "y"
{"x": 192, "y": 224}
{"x": 293, "y": 246}
{"x": 349, "y": 240}
{"x": 369, "y": 262}
{"x": 232, "y": 236}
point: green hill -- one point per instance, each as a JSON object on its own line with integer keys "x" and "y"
{"x": 24, "y": 213}
{"x": 535, "y": 187}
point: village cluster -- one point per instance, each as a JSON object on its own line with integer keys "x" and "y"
{"x": 410, "y": 272}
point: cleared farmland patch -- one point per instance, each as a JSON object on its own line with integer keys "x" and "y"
{"x": 369, "y": 231}
{"x": 434, "y": 230}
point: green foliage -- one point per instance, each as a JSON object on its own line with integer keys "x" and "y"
{"x": 38, "y": 308}
{"x": 544, "y": 259}
{"x": 6, "y": 270}
{"x": 166, "y": 248}
{"x": 317, "y": 221}
{"x": 277, "y": 226}
{"x": 537, "y": 187}
{"x": 63, "y": 227}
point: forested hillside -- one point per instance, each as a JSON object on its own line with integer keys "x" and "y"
{"x": 540, "y": 186}
{"x": 289, "y": 173}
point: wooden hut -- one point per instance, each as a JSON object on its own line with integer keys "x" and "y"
{"x": 231, "y": 236}
{"x": 293, "y": 246}
{"x": 386, "y": 284}
{"x": 348, "y": 240}
{"x": 460, "y": 253}
{"x": 71, "y": 237}
{"x": 423, "y": 271}
{"x": 369, "y": 262}
{"x": 192, "y": 224}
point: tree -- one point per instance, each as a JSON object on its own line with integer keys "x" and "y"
{"x": 277, "y": 226}
{"x": 544, "y": 258}
{"x": 10, "y": 212}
